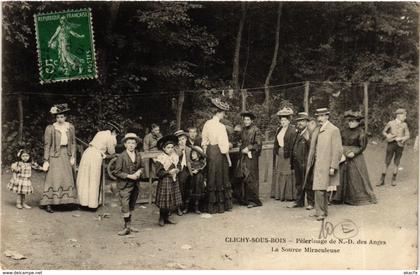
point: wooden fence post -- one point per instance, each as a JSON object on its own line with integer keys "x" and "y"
{"x": 366, "y": 103}
{"x": 306, "y": 97}
{"x": 181, "y": 99}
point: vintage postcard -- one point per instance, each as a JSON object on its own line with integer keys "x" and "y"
{"x": 209, "y": 135}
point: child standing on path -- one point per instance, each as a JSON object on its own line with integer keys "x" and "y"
{"x": 396, "y": 133}
{"x": 128, "y": 169}
{"x": 20, "y": 183}
{"x": 168, "y": 194}
{"x": 197, "y": 186}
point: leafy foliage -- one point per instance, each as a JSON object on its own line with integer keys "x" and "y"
{"x": 148, "y": 51}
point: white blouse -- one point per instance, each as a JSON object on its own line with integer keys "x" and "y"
{"x": 63, "y": 128}
{"x": 214, "y": 133}
{"x": 280, "y": 136}
{"x": 104, "y": 141}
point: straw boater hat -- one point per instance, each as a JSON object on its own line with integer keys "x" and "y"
{"x": 353, "y": 114}
{"x": 180, "y": 133}
{"x": 286, "y": 111}
{"x": 322, "y": 111}
{"x": 169, "y": 139}
{"x": 198, "y": 150}
{"x": 400, "y": 111}
{"x": 248, "y": 114}
{"x": 59, "y": 109}
{"x": 302, "y": 116}
{"x": 220, "y": 104}
{"x": 131, "y": 136}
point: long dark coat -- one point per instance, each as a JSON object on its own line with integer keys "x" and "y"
{"x": 247, "y": 168}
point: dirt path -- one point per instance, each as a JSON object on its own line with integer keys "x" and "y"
{"x": 77, "y": 240}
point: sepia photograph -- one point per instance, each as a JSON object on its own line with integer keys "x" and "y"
{"x": 209, "y": 135}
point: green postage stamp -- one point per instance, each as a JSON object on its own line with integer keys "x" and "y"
{"x": 65, "y": 46}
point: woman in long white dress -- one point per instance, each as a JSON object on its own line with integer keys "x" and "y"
{"x": 89, "y": 175}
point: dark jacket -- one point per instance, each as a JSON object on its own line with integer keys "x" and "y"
{"x": 52, "y": 139}
{"x": 188, "y": 157}
{"x": 289, "y": 139}
{"x": 301, "y": 149}
{"x": 252, "y": 139}
{"x": 124, "y": 166}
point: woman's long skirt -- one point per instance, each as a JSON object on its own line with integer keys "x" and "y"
{"x": 283, "y": 186}
{"x": 59, "y": 186}
{"x": 355, "y": 187}
{"x": 89, "y": 178}
{"x": 219, "y": 190}
{"x": 168, "y": 195}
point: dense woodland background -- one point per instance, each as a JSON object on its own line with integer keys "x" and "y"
{"x": 161, "y": 61}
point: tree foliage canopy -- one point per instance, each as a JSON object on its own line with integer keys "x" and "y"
{"x": 155, "y": 49}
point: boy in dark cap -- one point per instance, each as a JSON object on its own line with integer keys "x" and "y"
{"x": 396, "y": 133}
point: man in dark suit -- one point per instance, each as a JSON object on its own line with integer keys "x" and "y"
{"x": 128, "y": 169}
{"x": 193, "y": 138}
{"x": 299, "y": 158}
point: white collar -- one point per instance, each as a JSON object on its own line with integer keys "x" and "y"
{"x": 397, "y": 120}
{"x": 304, "y": 130}
{"x": 216, "y": 118}
{"x": 324, "y": 125}
{"x": 63, "y": 126}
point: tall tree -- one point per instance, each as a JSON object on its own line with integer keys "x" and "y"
{"x": 274, "y": 58}
{"x": 236, "y": 54}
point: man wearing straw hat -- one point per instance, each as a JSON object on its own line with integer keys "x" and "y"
{"x": 327, "y": 150}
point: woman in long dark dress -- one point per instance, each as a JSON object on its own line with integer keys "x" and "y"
{"x": 355, "y": 187}
{"x": 216, "y": 145}
{"x": 283, "y": 185}
{"x": 59, "y": 161}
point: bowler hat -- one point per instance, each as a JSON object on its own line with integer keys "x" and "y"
{"x": 220, "y": 104}
{"x": 131, "y": 136}
{"x": 59, "y": 109}
{"x": 248, "y": 114}
{"x": 169, "y": 139}
{"x": 322, "y": 111}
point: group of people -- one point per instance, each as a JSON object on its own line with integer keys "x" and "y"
{"x": 313, "y": 161}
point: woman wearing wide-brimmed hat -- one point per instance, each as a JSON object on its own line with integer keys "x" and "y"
{"x": 283, "y": 186}
{"x": 355, "y": 187}
{"x": 89, "y": 174}
{"x": 59, "y": 160}
{"x": 216, "y": 145}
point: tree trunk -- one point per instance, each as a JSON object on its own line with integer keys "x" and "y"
{"x": 20, "y": 116}
{"x": 235, "y": 71}
{"x": 243, "y": 99}
{"x": 181, "y": 99}
{"x": 274, "y": 60}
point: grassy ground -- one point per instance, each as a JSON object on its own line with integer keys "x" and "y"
{"x": 79, "y": 240}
